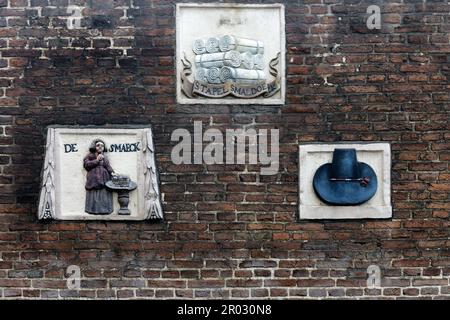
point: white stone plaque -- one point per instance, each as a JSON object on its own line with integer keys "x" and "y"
{"x": 94, "y": 173}
{"x": 230, "y": 53}
{"x": 376, "y": 155}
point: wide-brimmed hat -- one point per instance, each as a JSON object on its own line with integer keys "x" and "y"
{"x": 345, "y": 181}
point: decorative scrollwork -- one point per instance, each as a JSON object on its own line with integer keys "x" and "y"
{"x": 46, "y": 209}
{"x": 152, "y": 201}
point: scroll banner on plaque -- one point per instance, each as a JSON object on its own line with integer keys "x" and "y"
{"x": 195, "y": 88}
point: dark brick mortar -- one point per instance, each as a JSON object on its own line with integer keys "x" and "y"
{"x": 229, "y": 232}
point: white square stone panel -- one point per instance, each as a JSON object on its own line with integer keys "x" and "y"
{"x": 312, "y": 156}
{"x": 257, "y": 38}
{"x": 130, "y": 153}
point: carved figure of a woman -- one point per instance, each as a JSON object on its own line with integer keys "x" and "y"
{"x": 99, "y": 199}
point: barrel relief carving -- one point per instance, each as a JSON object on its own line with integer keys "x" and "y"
{"x": 229, "y": 65}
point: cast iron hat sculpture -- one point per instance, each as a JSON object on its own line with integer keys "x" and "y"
{"x": 345, "y": 181}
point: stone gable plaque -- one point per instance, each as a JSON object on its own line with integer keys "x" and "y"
{"x": 230, "y": 53}
{"x": 357, "y": 187}
{"x": 100, "y": 174}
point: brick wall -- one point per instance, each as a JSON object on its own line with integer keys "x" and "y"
{"x": 229, "y": 231}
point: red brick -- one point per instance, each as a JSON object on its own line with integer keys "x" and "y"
{"x": 229, "y": 230}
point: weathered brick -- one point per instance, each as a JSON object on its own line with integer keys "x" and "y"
{"x": 228, "y": 232}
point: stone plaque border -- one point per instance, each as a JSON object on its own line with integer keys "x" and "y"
{"x": 364, "y": 211}
{"x": 181, "y": 99}
{"x": 150, "y": 207}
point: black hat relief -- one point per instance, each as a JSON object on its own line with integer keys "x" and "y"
{"x": 345, "y": 181}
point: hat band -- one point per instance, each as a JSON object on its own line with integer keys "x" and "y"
{"x": 363, "y": 181}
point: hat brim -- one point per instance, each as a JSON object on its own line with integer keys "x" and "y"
{"x": 344, "y": 193}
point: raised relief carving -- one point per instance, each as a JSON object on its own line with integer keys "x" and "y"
{"x": 99, "y": 198}
{"x": 122, "y": 185}
{"x": 152, "y": 204}
{"x": 117, "y": 177}
{"x": 227, "y": 56}
{"x": 237, "y": 70}
{"x": 345, "y": 181}
{"x": 46, "y": 208}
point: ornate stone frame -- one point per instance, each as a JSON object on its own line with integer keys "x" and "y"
{"x": 182, "y": 99}
{"x": 151, "y": 208}
{"x": 310, "y": 207}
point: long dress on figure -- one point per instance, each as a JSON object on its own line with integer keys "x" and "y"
{"x": 99, "y": 199}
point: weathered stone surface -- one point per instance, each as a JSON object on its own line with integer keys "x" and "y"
{"x": 66, "y": 180}
{"x": 341, "y": 85}
{"x": 376, "y": 155}
{"x": 254, "y": 30}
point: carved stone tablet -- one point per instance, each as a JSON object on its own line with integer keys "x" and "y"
{"x": 230, "y": 53}
{"x": 99, "y": 174}
{"x": 313, "y": 158}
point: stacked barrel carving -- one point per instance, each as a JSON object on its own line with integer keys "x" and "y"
{"x": 229, "y": 59}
